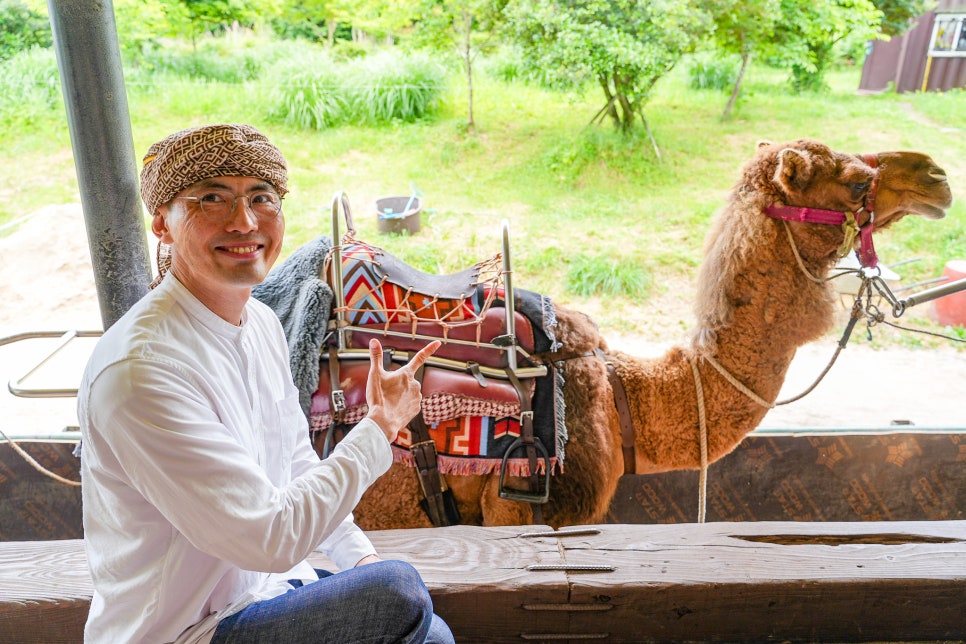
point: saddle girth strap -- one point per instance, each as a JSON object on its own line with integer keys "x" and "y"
{"x": 526, "y": 436}
{"x": 337, "y": 397}
{"x": 624, "y": 417}
{"x": 438, "y": 501}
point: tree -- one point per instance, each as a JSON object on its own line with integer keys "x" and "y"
{"x": 803, "y": 34}
{"x": 897, "y": 15}
{"x": 625, "y": 46}
{"x": 464, "y": 26}
{"x": 741, "y": 27}
{"x": 199, "y": 16}
{"x": 320, "y": 17}
{"x": 22, "y": 28}
{"x": 808, "y": 31}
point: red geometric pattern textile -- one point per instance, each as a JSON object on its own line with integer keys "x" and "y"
{"x": 437, "y": 408}
{"x": 465, "y": 447}
{"x": 370, "y": 298}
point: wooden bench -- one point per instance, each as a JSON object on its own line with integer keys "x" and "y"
{"x": 625, "y": 583}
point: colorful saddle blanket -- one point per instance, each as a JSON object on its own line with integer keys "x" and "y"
{"x": 472, "y": 418}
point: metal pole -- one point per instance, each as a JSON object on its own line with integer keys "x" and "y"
{"x": 89, "y": 59}
{"x": 933, "y": 293}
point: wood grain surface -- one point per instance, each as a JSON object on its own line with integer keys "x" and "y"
{"x": 725, "y": 582}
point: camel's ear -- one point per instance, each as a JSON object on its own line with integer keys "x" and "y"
{"x": 762, "y": 144}
{"x": 794, "y": 170}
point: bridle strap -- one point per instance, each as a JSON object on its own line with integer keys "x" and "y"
{"x": 867, "y": 256}
{"x": 866, "y": 253}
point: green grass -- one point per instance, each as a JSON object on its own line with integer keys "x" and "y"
{"x": 580, "y": 200}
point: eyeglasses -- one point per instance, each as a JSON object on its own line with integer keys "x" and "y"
{"x": 218, "y": 207}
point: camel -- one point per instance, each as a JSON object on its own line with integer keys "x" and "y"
{"x": 755, "y": 305}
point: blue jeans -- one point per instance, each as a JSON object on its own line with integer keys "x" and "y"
{"x": 377, "y": 603}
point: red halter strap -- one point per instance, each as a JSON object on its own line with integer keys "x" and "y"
{"x": 866, "y": 253}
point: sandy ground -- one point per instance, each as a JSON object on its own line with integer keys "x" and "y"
{"x": 47, "y": 285}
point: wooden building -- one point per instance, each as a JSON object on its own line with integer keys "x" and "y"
{"x": 929, "y": 57}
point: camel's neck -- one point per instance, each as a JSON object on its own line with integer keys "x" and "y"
{"x": 772, "y": 309}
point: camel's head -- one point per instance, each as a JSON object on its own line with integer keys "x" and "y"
{"x": 910, "y": 183}
{"x": 805, "y": 183}
{"x": 809, "y": 174}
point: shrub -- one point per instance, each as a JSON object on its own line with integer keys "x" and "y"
{"x": 21, "y": 28}
{"x": 319, "y": 93}
{"x": 606, "y": 275}
{"x": 207, "y": 62}
{"x": 388, "y": 87}
{"x": 713, "y": 73}
{"x": 29, "y": 86}
{"x": 305, "y": 91}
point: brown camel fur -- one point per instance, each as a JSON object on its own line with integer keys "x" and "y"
{"x": 754, "y": 307}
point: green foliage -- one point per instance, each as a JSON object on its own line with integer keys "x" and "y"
{"x": 606, "y": 275}
{"x": 200, "y": 16}
{"x": 623, "y": 46}
{"x": 462, "y": 27}
{"x": 140, "y": 25}
{"x": 745, "y": 26}
{"x": 312, "y": 96}
{"x": 806, "y": 38}
{"x": 897, "y": 15}
{"x": 29, "y": 88}
{"x": 573, "y": 157}
{"x": 319, "y": 93}
{"x": 388, "y": 87}
{"x": 314, "y": 20}
{"x": 347, "y": 50}
{"x": 706, "y": 72}
{"x": 506, "y": 64}
{"x": 21, "y": 28}
{"x": 210, "y": 61}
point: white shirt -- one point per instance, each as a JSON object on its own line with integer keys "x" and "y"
{"x": 201, "y": 490}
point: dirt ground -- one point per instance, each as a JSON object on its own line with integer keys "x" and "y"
{"x": 48, "y": 285}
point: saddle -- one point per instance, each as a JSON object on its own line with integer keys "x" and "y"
{"x": 480, "y": 387}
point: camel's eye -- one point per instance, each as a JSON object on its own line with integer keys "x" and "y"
{"x": 858, "y": 189}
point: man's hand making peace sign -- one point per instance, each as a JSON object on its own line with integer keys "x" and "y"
{"x": 394, "y": 396}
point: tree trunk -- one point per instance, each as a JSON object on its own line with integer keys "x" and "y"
{"x": 610, "y": 109}
{"x": 627, "y": 113}
{"x": 650, "y": 135}
{"x": 745, "y": 59}
{"x": 331, "y": 26}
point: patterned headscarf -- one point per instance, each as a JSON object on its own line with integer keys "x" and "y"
{"x": 199, "y": 153}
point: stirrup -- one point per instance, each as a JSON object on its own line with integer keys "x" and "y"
{"x": 511, "y": 494}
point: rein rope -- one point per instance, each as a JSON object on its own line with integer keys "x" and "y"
{"x": 702, "y": 442}
{"x": 34, "y": 464}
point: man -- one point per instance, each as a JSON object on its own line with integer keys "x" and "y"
{"x": 202, "y": 494}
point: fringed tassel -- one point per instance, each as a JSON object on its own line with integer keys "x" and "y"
{"x": 470, "y": 466}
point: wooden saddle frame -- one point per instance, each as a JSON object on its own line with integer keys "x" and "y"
{"x": 438, "y": 501}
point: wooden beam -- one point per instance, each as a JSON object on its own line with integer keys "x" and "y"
{"x": 875, "y": 581}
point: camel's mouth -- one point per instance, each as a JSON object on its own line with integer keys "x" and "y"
{"x": 931, "y": 212}
{"x": 934, "y": 206}
{"x": 931, "y": 205}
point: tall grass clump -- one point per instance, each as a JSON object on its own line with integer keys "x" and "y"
{"x": 389, "y": 87}
{"x": 209, "y": 61}
{"x": 507, "y": 64}
{"x": 319, "y": 92}
{"x": 306, "y": 91}
{"x": 29, "y": 88}
{"x": 606, "y": 275}
{"x": 713, "y": 72}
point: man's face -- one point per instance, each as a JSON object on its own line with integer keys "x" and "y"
{"x": 218, "y": 260}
